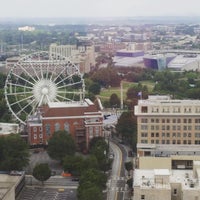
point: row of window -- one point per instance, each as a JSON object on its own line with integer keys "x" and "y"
{"x": 170, "y": 141}
{"x": 167, "y": 109}
{"x": 56, "y": 127}
{"x": 35, "y": 136}
{"x": 170, "y": 120}
{"x": 167, "y": 127}
{"x": 145, "y": 134}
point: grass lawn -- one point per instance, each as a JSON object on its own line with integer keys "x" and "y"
{"x": 106, "y": 93}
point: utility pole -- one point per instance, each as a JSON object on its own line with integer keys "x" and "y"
{"x": 121, "y": 94}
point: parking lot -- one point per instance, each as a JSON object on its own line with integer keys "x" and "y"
{"x": 41, "y": 156}
{"x": 37, "y": 193}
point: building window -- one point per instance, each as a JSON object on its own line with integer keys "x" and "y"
{"x": 144, "y": 109}
{"x": 157, "y": 120}
{"x": 163, "y": 141}
{"x": 35, "y": 136}
{"x": 163, "y": 134}
{"x": 157, "y": 141}
{"x": 175, "y": 192}
{"x": 144, "y": 120}
{"x": 57, "y": 127}
{"x": 176, "y": 110}
{"x": 34, "y": 129}
{"x": 166, "y": 109}
{"x": 168, "y": 141}
{"x": 157, "y": 134}
{"x": 152, "y": 134}
{"x": 40, "y": 135}
{"x": 197, "y": 121}
{"x": 178, "y": 121}
{"x": 187, "y": 109}
{"x": 173, "y": 134}
{"x": 66, "y": 127}
{"x": 142, "y": 196}
{"x": 155, "y": 109}
{"x": 197, "y": 110}
{"x": 144, "y": 127}
{"x": 174, "y": 121}
{"x": 47, "y": 129}
{"x": 168, "y": 134}
{"x": 197, "y": 127}
{"x": 144, "y": 134}
{"x": 91, "y": 131}
{"x": 97, "y": 131}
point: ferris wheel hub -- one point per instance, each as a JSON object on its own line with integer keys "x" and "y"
{"x": 45, "y": 91}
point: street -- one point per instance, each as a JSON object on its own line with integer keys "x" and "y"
{"x": 116, "y": 185}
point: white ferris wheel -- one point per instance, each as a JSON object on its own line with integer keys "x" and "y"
{"x": 36, "y": 80}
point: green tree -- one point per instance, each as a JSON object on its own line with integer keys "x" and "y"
{"x": 94, "y": 88}
{"x": 94, "y": 176}
{"x": 128, "y": 166}
{"x": 127, "y": 128}
{"x": 60, "y": 145}
{"x": 99, "y": 148}
{"x": 89, "y": 191}
{"x": 42, "y": 172}
{"x": 130, "y": 183}
{"x": 114, "y": 100}
{"x": 14, "y": 153}
{"x": 73, "y": 164}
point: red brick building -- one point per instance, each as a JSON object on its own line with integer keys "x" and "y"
{"x": 83, "y": 120}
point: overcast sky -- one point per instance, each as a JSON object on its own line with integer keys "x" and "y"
{"x": 98, "y": 8}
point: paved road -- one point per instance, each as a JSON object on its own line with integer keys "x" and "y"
{"x": 113, "y": 182}
{"x": 116, "y": 185}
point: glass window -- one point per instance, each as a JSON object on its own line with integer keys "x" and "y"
{"x": 57, "y": 127}
{"x": 66, "y": 126}
{"x": 97, "y": 131}
{"x": 47, "y": 129}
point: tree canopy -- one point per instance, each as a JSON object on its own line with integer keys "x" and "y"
{"x": 60, "y": 145}
{"x": 42, "y": 172}
{"x": 127, "y": 128}
{"x": 14, "y": 153}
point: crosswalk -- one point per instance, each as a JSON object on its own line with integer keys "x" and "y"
{"x": 115, "y": 183}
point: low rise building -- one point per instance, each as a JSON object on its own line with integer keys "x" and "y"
{"x": 83, "y": 120}
{"x": 156, "y": 184}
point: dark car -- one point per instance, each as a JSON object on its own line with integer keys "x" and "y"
{"x": 75, "y": 179}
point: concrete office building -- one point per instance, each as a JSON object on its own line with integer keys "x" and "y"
{"x": 168, "y": 126}
{"x": 83, "y": 55}
{"x": 156, "y": 184}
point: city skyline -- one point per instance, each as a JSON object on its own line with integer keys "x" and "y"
{"x": 94, "y": 8}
